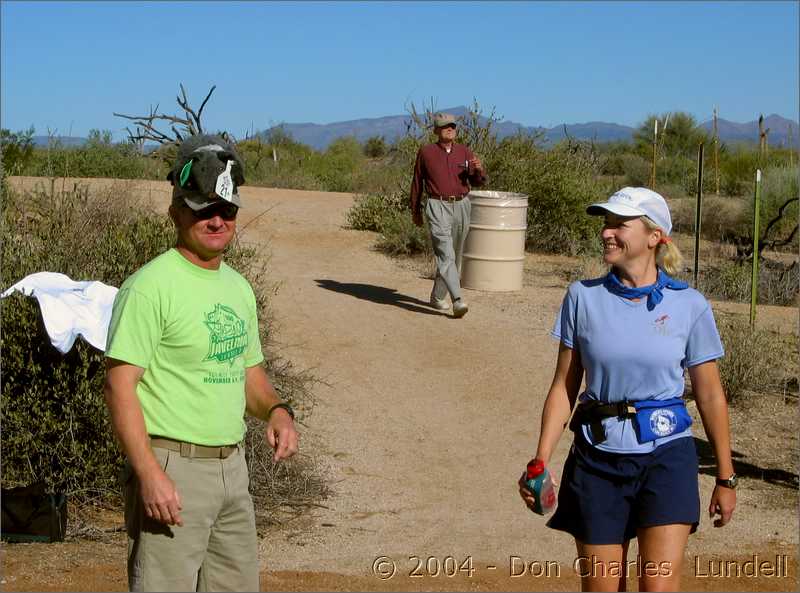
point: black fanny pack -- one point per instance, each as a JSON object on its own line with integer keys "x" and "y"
{"x": 652, "y": 419}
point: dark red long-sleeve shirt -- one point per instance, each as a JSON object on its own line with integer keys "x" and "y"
{"x": 443, "y": 174}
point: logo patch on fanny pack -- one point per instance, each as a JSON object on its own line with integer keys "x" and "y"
{"x": 663, "y": 422}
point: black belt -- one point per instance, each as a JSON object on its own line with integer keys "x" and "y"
{"x": 594, "y": 412}
{"x": 448, "y": 198}
{"x": 193, "y": 451}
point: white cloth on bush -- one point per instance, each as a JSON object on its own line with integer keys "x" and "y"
{"x": 70, "y": 308}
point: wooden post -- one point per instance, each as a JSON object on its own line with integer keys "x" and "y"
{"x": 655, "y": 150}
{"x": 762, "y": 137}
{"x": 716, "y": 152}
{"x": 754, "y": 279}
{"x": 697, "y": 216}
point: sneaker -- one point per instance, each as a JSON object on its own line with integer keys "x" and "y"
{"x": 439, "y": 304}
{"x": 460, "y": 309}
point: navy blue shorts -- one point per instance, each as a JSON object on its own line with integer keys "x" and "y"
{"x": 605, "y": 497}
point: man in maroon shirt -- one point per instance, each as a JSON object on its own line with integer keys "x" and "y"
{"x": 445, "y": 171}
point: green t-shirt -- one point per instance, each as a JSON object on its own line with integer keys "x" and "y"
{"x": 194, "y": 331}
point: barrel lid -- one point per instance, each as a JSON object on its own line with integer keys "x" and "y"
{"x": 498, "y": 195}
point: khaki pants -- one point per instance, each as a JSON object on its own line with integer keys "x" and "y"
{"x": 216, "y": 549}
{"x": 449, "y": 222}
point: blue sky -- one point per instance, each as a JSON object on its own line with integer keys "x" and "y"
{"x": 68, "y": 65}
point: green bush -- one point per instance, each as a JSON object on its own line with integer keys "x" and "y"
{"x": 779, "y": 185}
{"x": 369, "y": 211}
{"x": 749, "y": 361}
{"x": 55, "y": 425}
{"x": 99, "y": 157}
{"x": 778, "y": 283}
{"x": 400, "y": 236}
{"x": 560, "y": 183}
{"x": 17, "y": 150}
{"x": 376, "y": 147}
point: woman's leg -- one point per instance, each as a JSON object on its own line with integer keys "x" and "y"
{"x": 661, "y": 550}
{"x": 602, "y": 567}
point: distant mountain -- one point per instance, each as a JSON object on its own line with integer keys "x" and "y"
{"x": 778, "y": 134}
{"x": 392, "y": 127}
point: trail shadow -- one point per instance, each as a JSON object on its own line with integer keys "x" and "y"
{"x": 778, "y": 477}
{"x": 378, "y": 294}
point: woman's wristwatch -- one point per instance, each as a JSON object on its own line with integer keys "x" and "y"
{"x": 729, "y": 483}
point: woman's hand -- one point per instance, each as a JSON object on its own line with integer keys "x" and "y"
{"x": 723, "y": 502}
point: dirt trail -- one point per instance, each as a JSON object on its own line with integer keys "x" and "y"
{"x": 428, "y": 421}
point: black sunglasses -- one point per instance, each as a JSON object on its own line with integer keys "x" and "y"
{"x": 226, "y": 211}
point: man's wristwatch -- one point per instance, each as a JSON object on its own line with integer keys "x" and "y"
{"x": 729, "y": 483}
{"x": 283, "y": 405}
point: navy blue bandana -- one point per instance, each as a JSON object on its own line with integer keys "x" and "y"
{"x": 652, "y": 292}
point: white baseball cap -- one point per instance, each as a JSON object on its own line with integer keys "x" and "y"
{"x": 636, "y": 201}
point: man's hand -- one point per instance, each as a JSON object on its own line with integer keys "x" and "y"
{"x": 417, "y": 218}
{"x": 160, "y": 497}
{"x": 723, "y": 501}
{"x": 281, "y": 435}
{"x": 475, "y": 164}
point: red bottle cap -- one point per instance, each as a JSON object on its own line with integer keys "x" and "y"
{"x": 535, "y": 468}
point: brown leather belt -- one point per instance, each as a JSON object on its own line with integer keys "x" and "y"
{"x": 193, "y": 451}
{"x": 448, "y": 198}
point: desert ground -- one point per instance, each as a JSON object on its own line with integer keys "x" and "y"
{"x": 424, "y": 426}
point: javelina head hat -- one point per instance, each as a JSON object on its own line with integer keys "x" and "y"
{"x": 207, "y": 169}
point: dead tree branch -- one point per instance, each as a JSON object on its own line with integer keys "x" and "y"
{"x": 181, "y": 127}
{"x": 744, "y": 245}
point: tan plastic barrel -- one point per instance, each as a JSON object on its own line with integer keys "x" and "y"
{"x": 494, "y": 252}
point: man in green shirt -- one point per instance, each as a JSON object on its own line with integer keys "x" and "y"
{"x": 183, "y": 365}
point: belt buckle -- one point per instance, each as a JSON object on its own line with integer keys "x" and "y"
{"x": 187, "y": 449}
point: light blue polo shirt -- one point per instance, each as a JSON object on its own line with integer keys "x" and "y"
{"x": 630, "y": 353}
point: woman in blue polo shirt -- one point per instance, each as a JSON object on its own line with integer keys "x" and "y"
{"x": 632, "y": 469}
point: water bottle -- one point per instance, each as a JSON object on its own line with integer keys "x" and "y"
{"x": 540, "y": 482}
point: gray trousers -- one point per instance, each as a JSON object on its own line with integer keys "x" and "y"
{"x": 449, "y": 222}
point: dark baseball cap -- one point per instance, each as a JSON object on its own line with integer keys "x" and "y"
{"x": 207, "y": 169}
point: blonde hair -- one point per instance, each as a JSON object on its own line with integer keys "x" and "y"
{"x": 668, "y": 256}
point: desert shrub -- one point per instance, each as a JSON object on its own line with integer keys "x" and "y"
{"x": 293, "y": 168}
{"x": 369, "y": 211}
{"x": 376, "y": 147}
{"x": 749, "y": 361}
{"x": 17, "y": 150}
{"x": 778, "y": 283}
{"x": 636, "y": 169}
{"x": 738, "y": 171}
{"x": 389, "y": 215}
{"x": 337, "y": 167}
{"x": 56, "y": 428}
{"x": 779, "y": 185}
{"x": 612, "y": 157}
{"x": 99, "y": 157}
{"x": 722, "y": 217}
{"x": 400, "y": 236}
{"x": 54, "y": 419}
{"x": 560, "y": 184}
